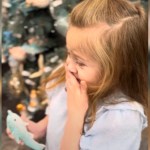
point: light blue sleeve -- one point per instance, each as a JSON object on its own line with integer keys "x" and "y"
{"x": 115, "y": 129}
{"x": 52, "y": 93}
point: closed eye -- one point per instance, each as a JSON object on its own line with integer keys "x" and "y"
{"x": 75, "y": 59}
{"x": 80, "y": 64}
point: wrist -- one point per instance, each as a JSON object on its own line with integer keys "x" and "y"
{"x": 76, "y": 122}
{"x": 43, "y": 124}
{"x": 38, "y": 129}
{"x": 77, "y": 114}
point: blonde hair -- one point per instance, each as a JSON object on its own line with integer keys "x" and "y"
{"x": 122, "y": 52}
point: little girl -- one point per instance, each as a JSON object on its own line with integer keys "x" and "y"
{"x": 97, "y": 98}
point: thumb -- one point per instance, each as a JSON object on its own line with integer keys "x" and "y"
{"x": 83, "y": 86}
{"x": 24, "y": 118}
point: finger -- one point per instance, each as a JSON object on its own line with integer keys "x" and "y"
{"x": 68, "y": 84}
{"x": 83, "y": 87}
{"x": 9, "y": 134}
{"x": 8, "y": 131}
{"x": 66, "y": 75}
{"x": 21, "y": 142}
{"x": 24, "y": 117}
{"x": 72, "y": 79}
{"x": 68, "y": 80}
{"x": 18, "y": 142}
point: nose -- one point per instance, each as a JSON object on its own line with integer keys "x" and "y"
{"x": 71, "y": 66}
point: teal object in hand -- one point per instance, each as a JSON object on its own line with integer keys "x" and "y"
{"x": 18, "y": 129}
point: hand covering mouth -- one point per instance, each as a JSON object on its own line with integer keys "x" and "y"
{"x": 78, "y": 80}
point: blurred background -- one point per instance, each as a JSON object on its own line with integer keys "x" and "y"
{"x": 33, "y": 45}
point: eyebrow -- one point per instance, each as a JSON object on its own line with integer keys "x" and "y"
{"x": 75, "y": 55}
{"x": 78, "y": 57}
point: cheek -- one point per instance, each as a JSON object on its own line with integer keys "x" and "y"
{"x": 94, "y": 78}
{"x": 90, "y": 76}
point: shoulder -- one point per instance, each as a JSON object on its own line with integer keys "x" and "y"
{"x": 120, "y": 125}
{"x": 116, "y": 126}
{"x": 122, "y": 116}
{"x": 124, "y": 106}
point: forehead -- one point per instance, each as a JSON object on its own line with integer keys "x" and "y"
{"x": 86, "y": 41}
{"x": 77, "y": 38}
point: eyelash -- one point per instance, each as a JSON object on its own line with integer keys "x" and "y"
{"x": 80, "y": 64}
{"x": 76, "y": 61}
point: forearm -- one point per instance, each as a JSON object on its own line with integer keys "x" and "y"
{"x": 43, "y": 125}
{"x": 72, "y": 134}
{"x": 38, "y": 129}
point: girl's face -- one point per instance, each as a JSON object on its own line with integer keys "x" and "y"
{"x": 78, "y": 63}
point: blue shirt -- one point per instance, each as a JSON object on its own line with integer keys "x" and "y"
{"x": 117, "y": 126}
